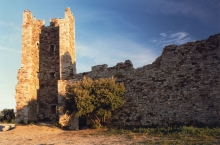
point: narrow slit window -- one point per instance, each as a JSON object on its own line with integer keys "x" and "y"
{"x": 53, "y": 109}
{"x": 37, "y": 108}
{"x": 71, "y": 72}
{"x": 52, "y": 48}
{"x": 52, "y": 74}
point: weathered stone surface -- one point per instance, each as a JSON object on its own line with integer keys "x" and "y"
{"x": 6, "y": 127}
{"x": 180, "y": 86}
{"x": 48, "y": 54}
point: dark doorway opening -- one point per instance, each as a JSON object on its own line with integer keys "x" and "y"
{"x": 82, "y": 122}
{"x": 53, "y": 109}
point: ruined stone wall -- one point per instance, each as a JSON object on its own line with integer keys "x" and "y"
{"x": 28, "y": 83}
{"x": 48, "y": 70}
{"x": 57, "y": 61}
{"x": 67, "y": 45}
{"x": 180, "y": 86}
{"x": 48, "y": 54}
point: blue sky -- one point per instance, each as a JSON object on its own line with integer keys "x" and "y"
{"x": 107, "y": 31}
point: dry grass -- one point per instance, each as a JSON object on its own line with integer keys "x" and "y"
{"x": 38, "y": 134}
{"x": 168, "y": 135}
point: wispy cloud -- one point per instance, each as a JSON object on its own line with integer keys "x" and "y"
{"x": 9, "y": 24}
{"x": 9, "y": 49}
{"x": 93, "y": 16}
{"x": 10, "y": 36}
{"x": 126, "y": 23}
{"x": 198, "y": 9}
{"x": 111, "y": 51}
{"x": 167, "y": 38}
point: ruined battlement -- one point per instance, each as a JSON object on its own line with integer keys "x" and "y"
{"x": 100, "y": 67}
{"x": 104, "y": 67}
{"x": 180, "y": 86}
{"x": 48, "y": 55}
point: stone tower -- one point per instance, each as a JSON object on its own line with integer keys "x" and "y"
{"x": 48, "y": 55}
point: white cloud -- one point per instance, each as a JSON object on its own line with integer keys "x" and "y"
{"x": 111, "y": 51}
{"x": 9, "y": 24}
{"x": 126, "y": 23}
{"x": 9, "y": 49}
{"x": 177, "y": 38}
{"x": 163, "y": 34}
{"x": 10, "y": 36}
{"x": 199, "y": 9}
{"x": 94, "y": 16}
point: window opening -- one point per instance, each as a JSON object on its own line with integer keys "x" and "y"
{"x": 37, "y": 108}
{"x": 52, "y": 74}
{"x": 71, "y": 71}
{"x": 52, "y": 48}
{"x": 53, "y": 109}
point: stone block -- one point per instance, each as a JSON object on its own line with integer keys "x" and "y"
{"x": 6, "y": 128}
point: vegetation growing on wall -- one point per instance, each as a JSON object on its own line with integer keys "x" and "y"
{"x": 96, "y": 99}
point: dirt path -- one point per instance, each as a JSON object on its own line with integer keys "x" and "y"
{"x": 38, "y": 134}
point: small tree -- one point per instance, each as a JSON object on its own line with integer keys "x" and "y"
{"x": 1, "y": 116}
{"x": 96, "y": 99}
{"x": 7, "y": 115}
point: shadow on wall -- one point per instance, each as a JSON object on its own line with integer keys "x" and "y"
{"x": 49, "y": 73}
{"x": 27, "y": 112}
{"x": 30, "y": 113}
{"x": 44, "y": 108}
{"x": 68, "y": 68}
{"x": 181, "y": 86}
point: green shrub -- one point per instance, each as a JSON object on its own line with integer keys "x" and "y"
{"x": 95, "y": 126}
{"x": 94, "y": 98}
{"x": 32, "y": 122}
{"x": 7, "y": 115}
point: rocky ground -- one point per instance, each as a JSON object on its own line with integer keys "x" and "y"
{"x": 41, "y": 134}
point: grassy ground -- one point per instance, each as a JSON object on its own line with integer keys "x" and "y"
{"x": 181, "y": 135}
{"x": 185, "y": 135}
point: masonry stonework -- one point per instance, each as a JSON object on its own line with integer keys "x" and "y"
{"x": 180, "y": 86}
{"x": 48, "y": 55}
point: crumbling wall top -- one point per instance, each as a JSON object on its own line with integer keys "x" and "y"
{"x": 68, "y": 14}
{"x": 28, "y": 19}
{"x": 67, "y": 9}
{"x": 54, "y": 22}
{"x": 100, "y": 67}
{"x": 27, "y": 10}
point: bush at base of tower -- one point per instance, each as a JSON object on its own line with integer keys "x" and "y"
{"x": 95, "y": 99}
